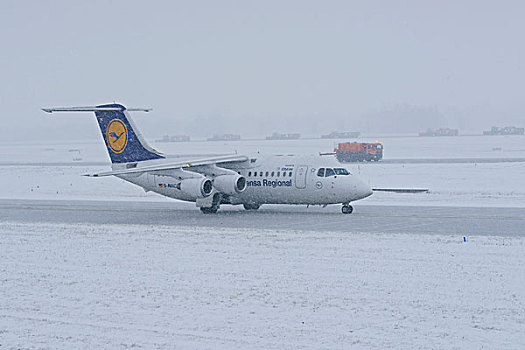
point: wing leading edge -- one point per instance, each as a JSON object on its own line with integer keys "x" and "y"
{"x": 177, "y": 165}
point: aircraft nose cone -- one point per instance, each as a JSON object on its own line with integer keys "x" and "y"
{"x": 364, "y": 190}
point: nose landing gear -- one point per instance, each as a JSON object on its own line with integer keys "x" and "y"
{"x": 347, "y": 209}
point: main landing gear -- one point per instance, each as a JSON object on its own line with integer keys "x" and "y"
{"x": 347, "y": 209}
{"x": 215, "y": 205}
{"x": 251, "y": 206}
{"x": 211, "y": 210}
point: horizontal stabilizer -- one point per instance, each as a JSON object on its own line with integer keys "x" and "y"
{"x": 94, "y": 109}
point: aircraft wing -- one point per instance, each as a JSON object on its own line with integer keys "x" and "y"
{"x": 175, "y": 165}
{"x": 401, "y": 190}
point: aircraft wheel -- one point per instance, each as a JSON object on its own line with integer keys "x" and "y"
{"x": 211, "y": 210}
{"x": 347, "y": 209}
{"x": 251, "y": 206}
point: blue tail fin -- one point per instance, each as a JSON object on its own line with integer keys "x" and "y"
{"x": 123, "y": 141}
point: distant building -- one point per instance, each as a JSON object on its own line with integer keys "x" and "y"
{"x": 342, "y": 135}
{"x": 174, "y": 138}
{"x": 278, "y": 136}
{"x": 507, "y": 130}
{"x": 225, "y": 137}
{"x": 440, "y": 132}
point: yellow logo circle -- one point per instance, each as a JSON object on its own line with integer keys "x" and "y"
{"x": 117, "y": 135}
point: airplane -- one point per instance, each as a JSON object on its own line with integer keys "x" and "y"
{"x": 212, "y": 181}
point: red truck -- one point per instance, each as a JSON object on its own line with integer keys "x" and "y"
{"x": 358, "y": 152}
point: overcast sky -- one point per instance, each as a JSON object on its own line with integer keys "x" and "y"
{"x": 254, "y": 67}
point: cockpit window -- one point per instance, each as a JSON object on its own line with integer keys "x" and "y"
{"x": 341, "y": 171}
{"x": 329, "y": 172}
{"x": 320, "y": 172}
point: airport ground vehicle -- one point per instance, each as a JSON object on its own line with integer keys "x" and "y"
{"x": 359, "y": 151}
{"x": 507, "y": 130}
{"x": 342, "y": 135}
{"x": 440, "y": 132}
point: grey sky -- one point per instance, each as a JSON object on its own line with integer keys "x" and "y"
{"x": 263, "y": 66}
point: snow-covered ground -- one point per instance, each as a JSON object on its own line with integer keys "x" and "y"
{"x": 121, "y": 286}
{"x": 103, "y": 286}
{"x": 93, "y": 150}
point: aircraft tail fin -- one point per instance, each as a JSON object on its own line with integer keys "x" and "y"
{"x": 124, "y": 142}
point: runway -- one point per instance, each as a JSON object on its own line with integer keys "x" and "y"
{"x": 464, "y": 221}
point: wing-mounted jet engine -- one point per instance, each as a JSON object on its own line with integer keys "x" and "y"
{"x": 196, "y": 187}
{"x": 225, "y": 181}
{"x": 230, "y": 184}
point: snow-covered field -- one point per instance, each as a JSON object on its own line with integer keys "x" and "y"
{"x": 122, "y": 286}
{"x": 93, "y": 150}
{"x": 103, "y": 286}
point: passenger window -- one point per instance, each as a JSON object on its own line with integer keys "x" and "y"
{"x": 255, "y": 173}
{"x": 320, "y": 172}
{"x": 272, "y": 173}
{"x": 290, "y": 174}
{"x": 266, "y": 174}
{"x": 329, "y": 172}
{"x": 261, "y": 174}
{"x": 278, "y": 174}
{"x": 249, "y": 173}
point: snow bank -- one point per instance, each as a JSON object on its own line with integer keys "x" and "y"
{"x": 103, "y": 286}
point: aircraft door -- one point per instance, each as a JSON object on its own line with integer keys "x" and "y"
{"x": 300, "y": 176}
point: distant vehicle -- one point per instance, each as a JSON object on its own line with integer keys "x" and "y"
{"x": 440, "y": 132}
{"x": 225, "y": 137}
{"x": 342, "y": 135}
{"x": 507, "y": 130}
{"x": 278, "y": 136}
{"x": 359, "y": 152}
{"x": 210, "y": 181}
{"x": 174, "y": 138}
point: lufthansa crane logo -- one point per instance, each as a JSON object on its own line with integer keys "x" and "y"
{"x": 117, "y": 135}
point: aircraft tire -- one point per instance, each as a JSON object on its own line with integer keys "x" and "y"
{"x": 211, "y": 210}
{"x": 251, "y": 206}
{"x": 347, "y": 209}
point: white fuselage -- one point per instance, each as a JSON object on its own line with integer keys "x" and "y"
{"x": 270, "y": 180}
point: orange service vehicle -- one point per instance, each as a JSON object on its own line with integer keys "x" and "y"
{"x": 358, "y": 152}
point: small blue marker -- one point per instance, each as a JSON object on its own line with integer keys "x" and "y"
{"x": 464, "y": 239}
